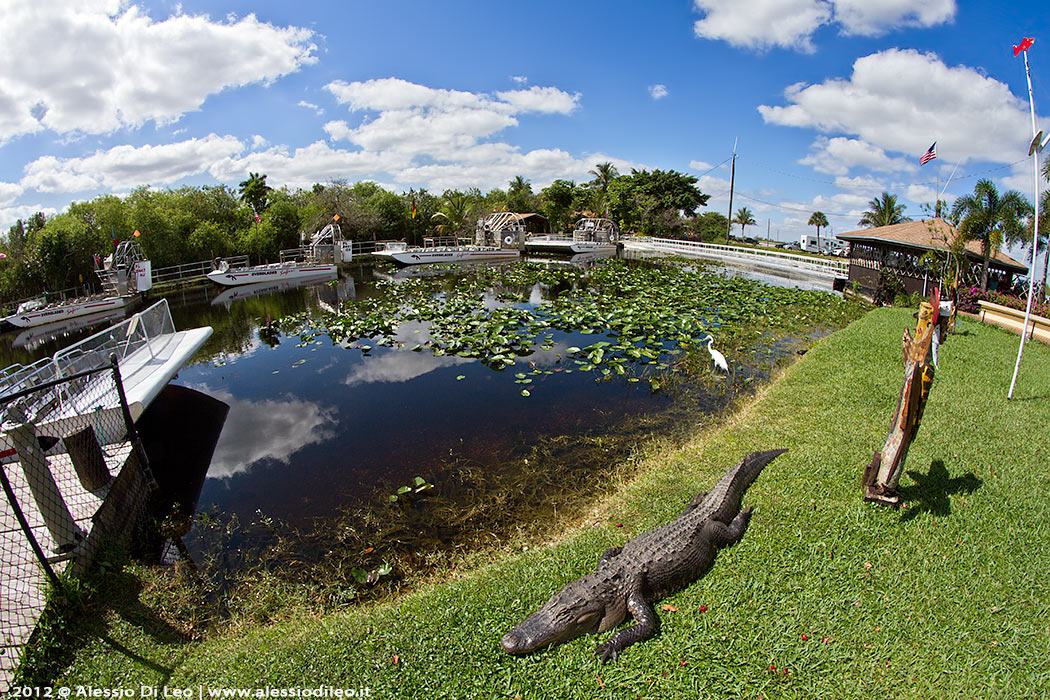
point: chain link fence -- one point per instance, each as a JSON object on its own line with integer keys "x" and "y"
{"x": 65, "y": 437}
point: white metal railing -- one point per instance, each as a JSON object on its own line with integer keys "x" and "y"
{"x": 833, "y": 268}
{"x": 94, "y": 351}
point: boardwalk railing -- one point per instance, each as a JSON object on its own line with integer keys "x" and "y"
{"x": 769, "y": 258}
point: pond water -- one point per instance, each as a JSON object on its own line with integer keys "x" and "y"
{"x": 319, "y": 432}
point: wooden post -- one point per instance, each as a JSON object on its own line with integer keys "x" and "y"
{"x": 884, "y": 471}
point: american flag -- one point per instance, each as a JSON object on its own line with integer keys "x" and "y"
{"x": 929, "y": 155}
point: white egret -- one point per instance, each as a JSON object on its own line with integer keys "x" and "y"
{"x": 719, "y": 358}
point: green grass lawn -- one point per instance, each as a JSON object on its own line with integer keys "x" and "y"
{"x": 825, "y": 597}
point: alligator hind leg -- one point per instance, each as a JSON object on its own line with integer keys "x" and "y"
{"x": 646, "y": 625}
{"x": 722, "y": 535}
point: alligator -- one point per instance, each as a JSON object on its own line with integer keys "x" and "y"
{"x": 648, "y": 568}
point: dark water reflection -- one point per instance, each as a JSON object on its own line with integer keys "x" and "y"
{"x": 315, "y": 429}
{"x": 314, "y": 426}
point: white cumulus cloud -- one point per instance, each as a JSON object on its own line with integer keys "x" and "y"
{"x": 903, "y": 100}
{"x": 74, "y": 66}
{"x": 550, "y": 100}
{"x": 875, "y": 17}
{"x": 790, "y": 24}
{"x": 762, "y": 24}
{"x": 301, "y": 167}
{"x": 124, "y": 167}
{"x": 9, "y": 192}
{"x": 658, "y": 91}
{"x": 839, "y": 155}
{"x": 442, "y": 138}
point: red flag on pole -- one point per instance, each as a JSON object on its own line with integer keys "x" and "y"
{"x": 1026, "y": 43}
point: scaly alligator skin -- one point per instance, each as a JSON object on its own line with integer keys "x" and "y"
{"x": 646, "y": 569}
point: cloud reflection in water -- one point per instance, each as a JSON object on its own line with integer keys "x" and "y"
{"x": 267, "y": 429}
{"x": 400, "y": 366}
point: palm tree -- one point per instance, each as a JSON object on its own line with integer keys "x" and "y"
{"x": 744, "y": 217}
{"x": 603, "y": 173}
{"x": 883, "y": 211}
{"x": 455, "y": 214}
{"x": 819, "y": 220}
{"x": 519, "y": 195}
{"x": 990, "y": 218}
{"x": 255, "y": 192}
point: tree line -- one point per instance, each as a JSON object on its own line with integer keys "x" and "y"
{"x": 190, "y": 224}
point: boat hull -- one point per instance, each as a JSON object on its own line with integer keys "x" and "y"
{"x": 269, "y": 273}
{"x": 64, "y": 312}
{"x": 424, "y": 256}
{"x": 256, "y": 289}
{"x": 566, "y": 246}
{"x": 32, "y": 337}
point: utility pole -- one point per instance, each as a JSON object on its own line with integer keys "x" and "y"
{"x": 732, "y": 179}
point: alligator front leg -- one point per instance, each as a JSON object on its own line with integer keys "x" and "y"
{"x": 646, "y": 624}
{"x": 609, "y": 554}
{"x": 696, "y": 501}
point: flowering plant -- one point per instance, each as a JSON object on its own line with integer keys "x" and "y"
{"x": 969, "y": 296}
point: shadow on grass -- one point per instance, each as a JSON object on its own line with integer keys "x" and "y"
{"x": 1040, "y": 397}
{"x": 932, "y": 491}
{"x": 72, "y": 620}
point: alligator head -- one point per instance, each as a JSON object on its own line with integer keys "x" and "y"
{"x": 584, "y": 606}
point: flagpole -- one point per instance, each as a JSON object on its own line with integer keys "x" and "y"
{"x": 1035, "y": 226}
{"x": 732, "y": 181}
{"x": 949, "y": 181}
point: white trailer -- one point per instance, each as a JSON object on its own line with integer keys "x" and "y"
{"x": 827, "y": 245}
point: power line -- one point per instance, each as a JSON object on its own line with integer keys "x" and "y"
{"x": 716, "y": 167}
{"x": 787, "y": 208}
{"x": 905, "y": 184}
{"x": 832, "y": 183}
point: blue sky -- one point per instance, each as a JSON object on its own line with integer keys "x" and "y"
{"x": 831, "y": 102}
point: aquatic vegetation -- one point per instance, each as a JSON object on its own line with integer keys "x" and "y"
{"x": 406, "y": 494}
{"x": 648, "y": 313}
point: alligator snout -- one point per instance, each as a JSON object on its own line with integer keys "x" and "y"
{"x": 513, "y": 644}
